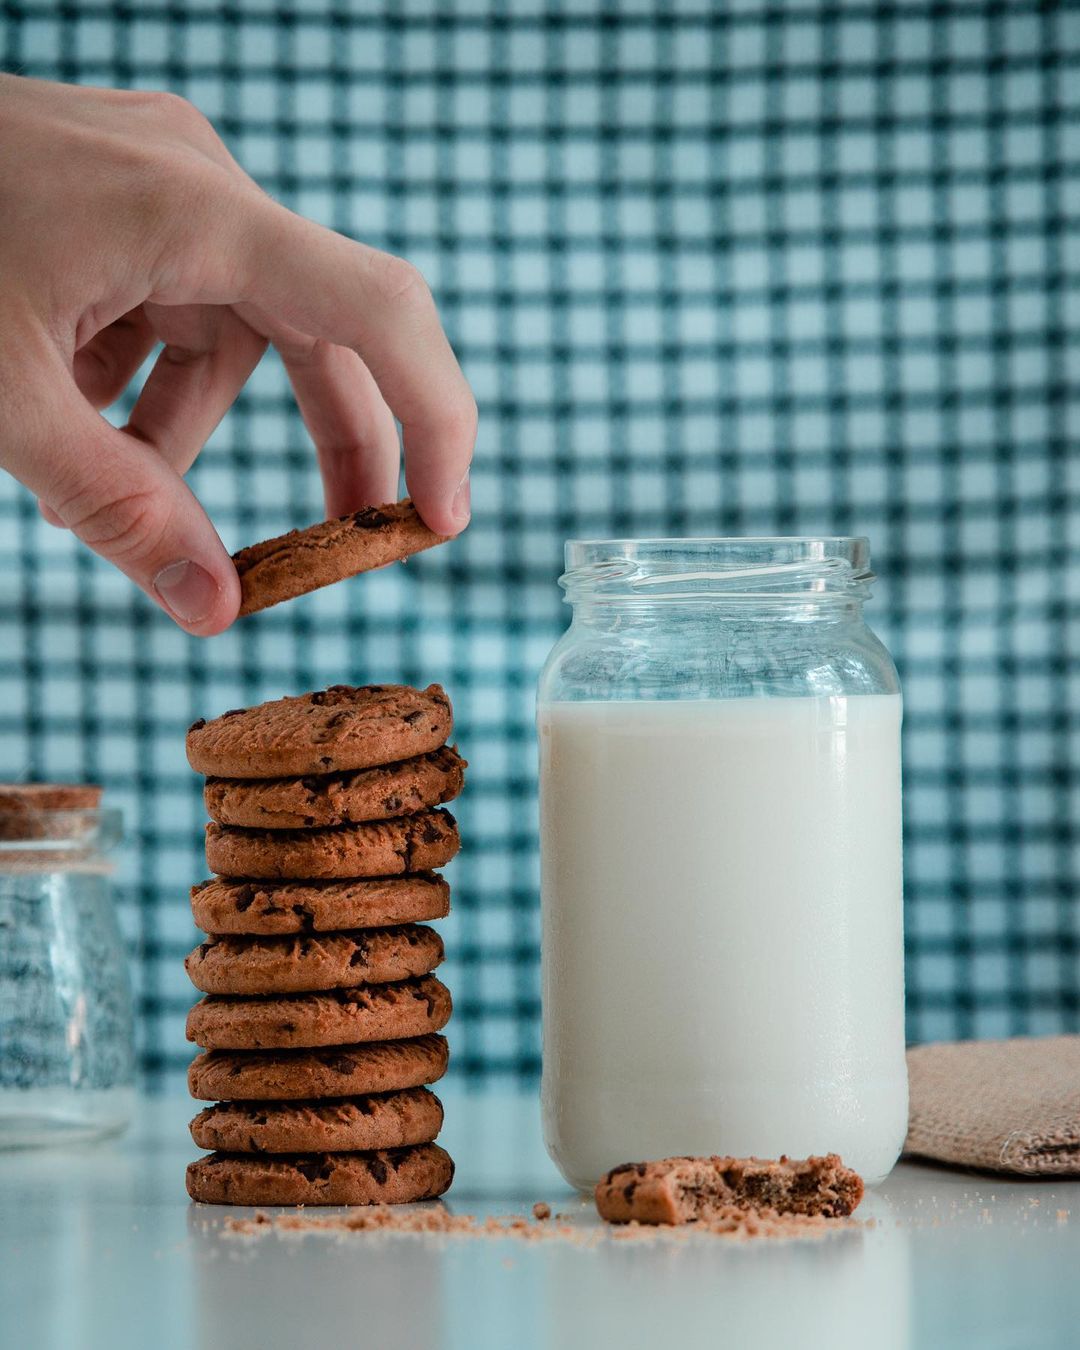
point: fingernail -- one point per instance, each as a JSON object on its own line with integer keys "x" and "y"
{"x": 461, "y": 507}
{"x": 188, "y": 590}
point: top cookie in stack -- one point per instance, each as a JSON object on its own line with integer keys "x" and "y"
{"x": 325, "y": 820}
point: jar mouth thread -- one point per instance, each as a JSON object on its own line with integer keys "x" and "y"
{"x": 760, "y": 570}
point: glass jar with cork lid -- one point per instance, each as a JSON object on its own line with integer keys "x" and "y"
{"x": 67, "y": 1063}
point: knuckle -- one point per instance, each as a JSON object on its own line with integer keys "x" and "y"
{"x": 124, "y": 528}
{"x": 151, "y": 183}
{"x": 160, "y": 110}
{"x": 184, "y": 358}
{"x": 99, "y": 376}
{"x": 399, "y": 282}
{"x": 175, "y": 197}
{"x": 134, "y": 101}
{"x": 177, "y": 111}
{"x": 300, "y": 350}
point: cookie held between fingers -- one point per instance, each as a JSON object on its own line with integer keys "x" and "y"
{"x": 337, "y": 799}
{"x": 354, "y": 1124}
{"x": 298, "y": 1075}
{"x": 306, "y": 560}
{"x": 382, "y": 1177}
{"x": 681, "y": 1190}
{"x": 375, "y": 1012}
{"x": 377, "y": 848}
{"x": 330, "y": 731}
{"x": 237, "y": 963}
{"x": 223, "y": 905}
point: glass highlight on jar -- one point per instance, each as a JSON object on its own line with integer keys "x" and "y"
{"x": 67, "y": 1064}
{"x": 722, "y": 952}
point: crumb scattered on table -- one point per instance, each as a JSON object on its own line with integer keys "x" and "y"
{"x": 733, "y": 1223}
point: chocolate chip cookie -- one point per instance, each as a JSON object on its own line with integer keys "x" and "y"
{"x": 297, "y": 1075}
{"x": 382, "y": 1120}
{"x": 334, "y": 730}
{"x": 374, "y": 1012}
{"x": 384, "y": 1177}
{"x": 236, "y": 963}
{"x": 306, "y": 560}
{"x": 223, "y": 905}
{"x": 376, "y": 848}
{"x": 337, "y": 799}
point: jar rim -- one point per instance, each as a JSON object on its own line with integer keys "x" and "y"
{"x": 734, "y": 568}
{"x": 583, "y": 550}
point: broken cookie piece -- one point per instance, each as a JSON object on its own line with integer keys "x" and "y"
{"x": 685, "y": 1190}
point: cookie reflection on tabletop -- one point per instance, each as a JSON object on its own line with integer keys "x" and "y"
{"x": 275, "y": 1292}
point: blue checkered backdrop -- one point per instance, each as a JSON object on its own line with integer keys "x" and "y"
{"x": 712, "y": 269}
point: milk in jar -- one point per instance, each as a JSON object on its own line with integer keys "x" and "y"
{"x": 722, "y": 942}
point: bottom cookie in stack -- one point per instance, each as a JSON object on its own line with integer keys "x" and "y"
{"x": 396, "y": 1176}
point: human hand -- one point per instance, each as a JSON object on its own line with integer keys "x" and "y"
{"x": 124, "y": 221}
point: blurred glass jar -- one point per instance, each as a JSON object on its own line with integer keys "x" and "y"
{"x": 67, "y": 1059}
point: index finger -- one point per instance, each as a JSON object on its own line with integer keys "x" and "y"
{"x": 333, "y": 288}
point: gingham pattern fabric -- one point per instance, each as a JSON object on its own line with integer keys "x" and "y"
{"x": 712, "y": 269}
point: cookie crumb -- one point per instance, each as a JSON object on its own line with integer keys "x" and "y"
{"x": 434, "y": 1220}
{"x": 247, "y": 1227}
{"x": 541, "y": 1211}
{"x": 733, "y": 1223}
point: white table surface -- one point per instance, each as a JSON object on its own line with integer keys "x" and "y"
{"x": 100, "y": 1247}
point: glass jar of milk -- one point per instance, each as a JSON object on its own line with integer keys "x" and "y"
{"x": 722, "y": 958}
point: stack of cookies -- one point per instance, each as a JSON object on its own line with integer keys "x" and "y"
{"x": 320, "y": 1017}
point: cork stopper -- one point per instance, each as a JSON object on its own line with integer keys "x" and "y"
{"x": 47, "y": 827}
{"x": 45, "y": 810}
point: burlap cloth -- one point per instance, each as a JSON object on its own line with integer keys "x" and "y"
{"x": 1012, "y": 1106}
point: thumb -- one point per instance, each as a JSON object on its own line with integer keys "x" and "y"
{"x": 122, "y": 499}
